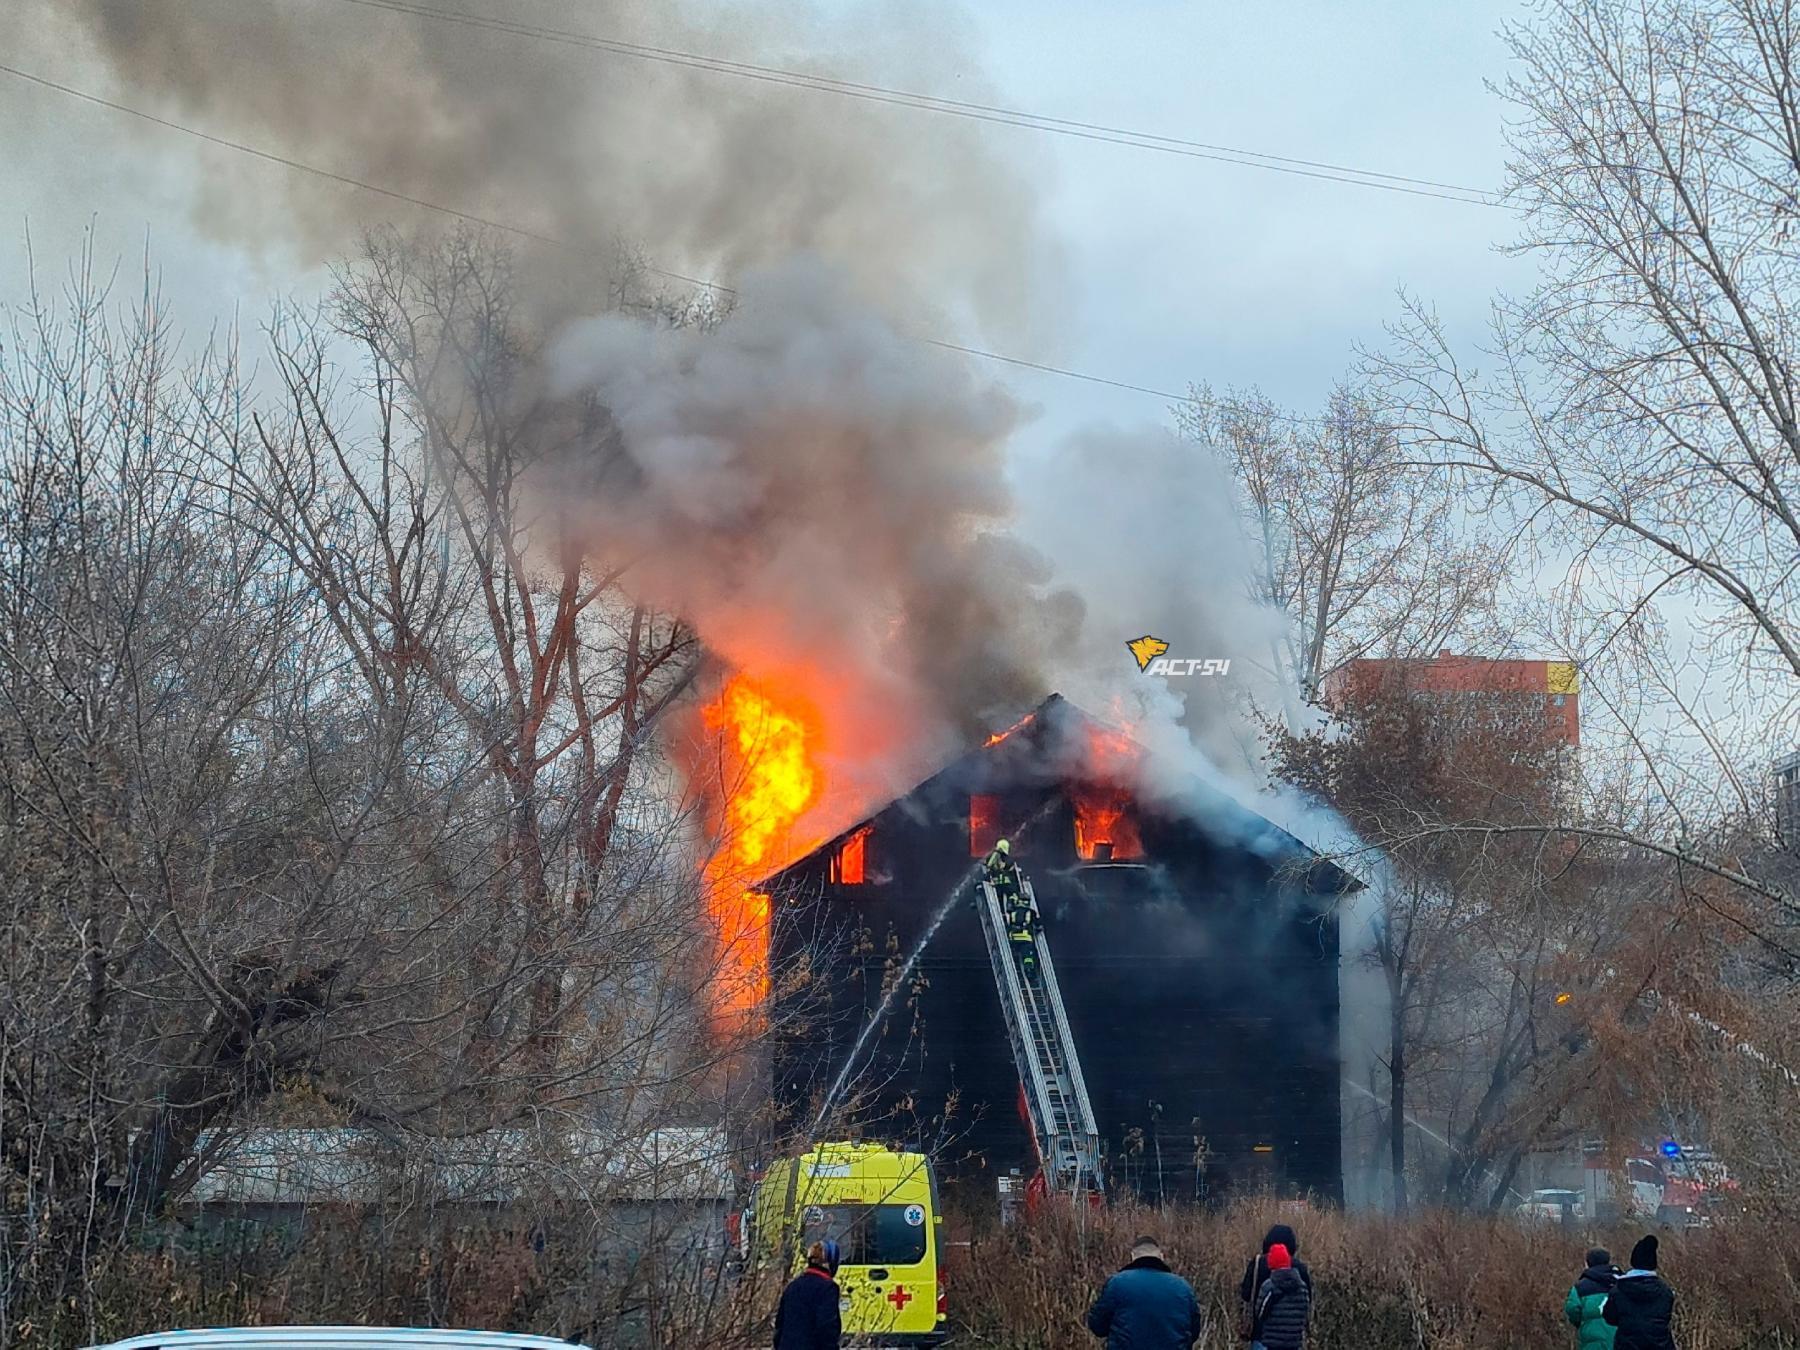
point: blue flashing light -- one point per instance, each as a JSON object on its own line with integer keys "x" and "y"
{"x": 1671, "y": 1149}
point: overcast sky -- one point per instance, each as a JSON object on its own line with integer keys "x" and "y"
{"x": 1177, "y": 269}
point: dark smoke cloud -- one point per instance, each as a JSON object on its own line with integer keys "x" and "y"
{"x": 811, "y": 486}
{"x": 827, "y": 501}
{"x": 712, "y": 175}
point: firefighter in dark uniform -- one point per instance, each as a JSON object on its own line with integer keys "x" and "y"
{"x": 1022, "y": 929}
{"x": 1016, "y": 906}
{"x": 1002, "y": 873}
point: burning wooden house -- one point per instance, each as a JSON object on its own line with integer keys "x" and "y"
{"x": 1196, "y": 945}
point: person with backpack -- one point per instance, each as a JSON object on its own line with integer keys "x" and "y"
{"x": 807, "y": 1317}
{"x": 1587, "y": 1301}
{"x": 1641, "y": 1306}
{"x": 1256, "y": 1271}
{"x": 1283, "y": 1305}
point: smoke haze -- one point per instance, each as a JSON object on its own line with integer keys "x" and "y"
{"x": 714, "y": 175}
{"x": 815, "y": 489}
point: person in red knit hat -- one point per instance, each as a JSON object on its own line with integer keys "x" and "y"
{"x": 1283, "y": 1305}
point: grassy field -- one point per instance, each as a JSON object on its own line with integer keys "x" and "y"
{"x": 1439, "y": 1282}
{"x": 1435, "y": 1282}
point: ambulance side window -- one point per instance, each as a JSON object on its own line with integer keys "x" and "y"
{"x": 899, "y": 1235}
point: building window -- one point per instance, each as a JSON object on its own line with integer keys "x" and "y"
{"x": 1105, "y": 825}
{"x": 1787, "y": 800}
{"x": 849, "y": 865}
{"x": 984, "y": 824}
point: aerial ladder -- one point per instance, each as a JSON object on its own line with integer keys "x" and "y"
{"x": 1056, "y": 1099}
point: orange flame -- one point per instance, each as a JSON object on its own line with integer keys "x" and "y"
{"x": 1103, "y": 809}
{"x": 1103, "y": 817}
{"x": 850, "y": 866}
{"x": 772, "y": 780}
{"x": 984, "y": 824}
{"x": 999, "y": 736}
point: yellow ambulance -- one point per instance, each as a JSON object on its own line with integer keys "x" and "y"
{"x": 881, "y": 1207}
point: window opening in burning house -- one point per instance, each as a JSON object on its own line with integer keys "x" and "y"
{"x": 984, "y": 824}
{"x": 849, "y": 865}
{"x": 1105, "y": 824}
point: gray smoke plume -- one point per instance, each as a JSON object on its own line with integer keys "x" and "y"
{"x": 826, "y": 500}
{"x": 712, "y": 174}
{"x": 812, "y": 487}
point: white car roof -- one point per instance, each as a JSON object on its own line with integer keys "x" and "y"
{"x": 337, "y": 1338}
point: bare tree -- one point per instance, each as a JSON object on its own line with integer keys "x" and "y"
{"x": 1362, "y": 549}
{"x": 1505, "y": 946}
{"x": 1641, "y": 416}
{"x": 449, "y": 552}
{"x": 328, "y": 786}
{"x": 1643, "y": 407}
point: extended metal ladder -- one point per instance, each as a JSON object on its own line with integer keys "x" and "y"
{"x": 1062, "y": 1119}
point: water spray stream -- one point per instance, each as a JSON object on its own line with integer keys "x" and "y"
{"x": 1411, "y": 1120}
{"x": 881, "y": 1010}
{"x": 957, "y": 892}
{"x": 1419, "y": 1125}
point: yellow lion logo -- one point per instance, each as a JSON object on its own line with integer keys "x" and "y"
{"x": 1146, "y": 649}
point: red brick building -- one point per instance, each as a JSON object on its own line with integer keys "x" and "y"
{"x": 1556, "y": 682}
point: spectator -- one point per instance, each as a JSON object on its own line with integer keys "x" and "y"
{"x": 1283, "y": 1305}
{"x": 1641, "y": 1306}
{"x": 1146, "y": 1306}
{"x": 807, "y": 1316}
{"x": 1587, "y": 1299}
{"x": 1257, "y": 1270}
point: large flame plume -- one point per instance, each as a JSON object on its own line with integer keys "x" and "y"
{"x": 770, "y": 779}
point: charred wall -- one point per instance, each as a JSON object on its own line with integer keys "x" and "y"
{"x": 1201, "y": 981}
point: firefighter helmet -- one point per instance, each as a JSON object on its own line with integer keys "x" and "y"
{"x": 1003, "y": 848}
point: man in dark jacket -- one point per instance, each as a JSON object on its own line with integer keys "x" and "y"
{"x": 1587, "y": 1301}
{"x": 1257, "y": 1270}
{"x": 1282, "y": 1305}
{"x": 1146, "y": 1306}
{"x": 807, "y": 1316}
{"x": 1641, "y": 1306}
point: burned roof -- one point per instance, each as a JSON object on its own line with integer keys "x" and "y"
{"x": 1050, "y": 746}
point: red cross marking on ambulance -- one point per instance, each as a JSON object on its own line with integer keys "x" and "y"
{"x": 900, "y": 1298}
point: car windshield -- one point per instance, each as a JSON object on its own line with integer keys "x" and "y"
{"x": 870, "y": 1235}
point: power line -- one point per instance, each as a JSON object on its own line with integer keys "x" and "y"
{"x": 345, "y": 179}
{"x": 473, "y": 218}
{"x": 980, "y": 112}
{"x": 1053, "y": 370}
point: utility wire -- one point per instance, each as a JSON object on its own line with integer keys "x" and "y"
{"x": 345, "y": 179}
{"x": 980, "y": 112}
{"x": 522, "y": 232}
{"x": 473, "y": 218}
{"x": 1053, "y": 370}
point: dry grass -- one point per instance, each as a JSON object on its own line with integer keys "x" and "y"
{"x": 1439, "y": 1282}
{"x": 647, "y": 1292}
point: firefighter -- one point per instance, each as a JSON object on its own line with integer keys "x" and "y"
{"x": 1016, "y": 908}
{"x": 1003, "y": 873}
{"x": 1022, "y": 930}
{"x": 1022, "y": 924}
